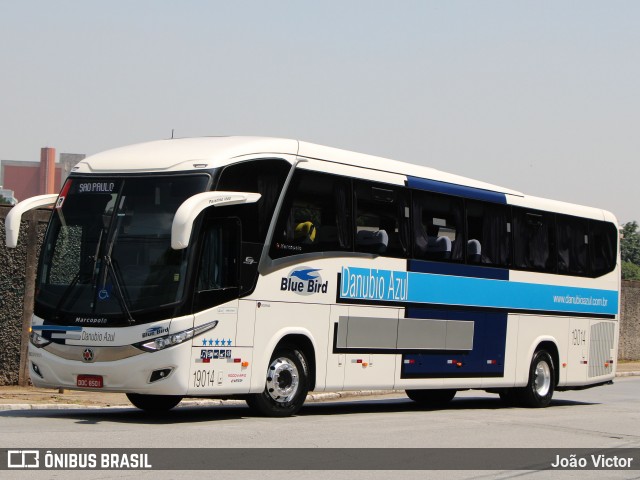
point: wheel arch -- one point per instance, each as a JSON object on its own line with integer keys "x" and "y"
{"x": 306, "y": 346}
{"x": 299, "y": 338}
{"x": 551, "y": 347}
{"x": 543, "y": 342}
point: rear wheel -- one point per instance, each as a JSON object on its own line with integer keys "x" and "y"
{"x": 541, "y": 384}
{"x": 286, "y": 387}
{"x": 432, "y": 398}
{"x": 154, "y": 403}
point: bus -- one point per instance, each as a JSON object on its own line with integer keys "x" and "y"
{"x": 262, "y": 269}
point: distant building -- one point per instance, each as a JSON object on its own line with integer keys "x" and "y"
{"x": 28, "y": 179}
{"x": 7, "y": 196}
{"x": 67, "y": 162}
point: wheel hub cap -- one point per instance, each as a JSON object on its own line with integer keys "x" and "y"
{"x": 282, "y": 380}
{"x": 542, "y": 379}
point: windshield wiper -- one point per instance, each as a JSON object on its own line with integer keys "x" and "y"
{"x": 76, "y": 277}
{"x": 120, "y": 294}
{"x": 111, "y": 240}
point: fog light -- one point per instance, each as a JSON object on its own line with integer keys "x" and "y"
{"x": 160, "y": 374}
{"x": 36, "y": 369}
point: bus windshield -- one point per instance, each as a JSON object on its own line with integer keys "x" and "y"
{"x": 107, "y": 254}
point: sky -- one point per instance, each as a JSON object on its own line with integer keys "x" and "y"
{"x": 537, "y": 96}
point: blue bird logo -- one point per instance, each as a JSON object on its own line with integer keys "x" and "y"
{"x": 305, "y": 275}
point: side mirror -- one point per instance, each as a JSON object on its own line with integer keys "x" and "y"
{"x": 12, "y": 222}
{"x": 191, "y": 207}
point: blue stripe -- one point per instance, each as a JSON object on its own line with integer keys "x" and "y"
{"x": 457, "y": 190}
{"x": 458, "y": 269}
{"x": 373, "y": 285}
{"x": 57, "y": 328}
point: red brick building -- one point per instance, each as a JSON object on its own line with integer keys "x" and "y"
{"x": 27, "y": 179}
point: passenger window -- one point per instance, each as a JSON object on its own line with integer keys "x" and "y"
{"x": 573, "y": 245}
{"x": 315, "y": 216}
{"x": 488, "y": 234}
{"x": 438, "y": 227}
{"x": 381, "y": 220}
{"x": 534, "y": 240}
{"x": 603, "y": 241}
{"x": 264, "y": 176}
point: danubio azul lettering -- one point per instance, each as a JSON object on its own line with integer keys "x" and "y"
{"x": 374, "y": 284}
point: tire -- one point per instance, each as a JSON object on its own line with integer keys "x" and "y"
{"x": 432, "y": 398}
{"x": 541, "y": 384}
{"x": 154, "y": 403}
{"x": 286, "y": 386}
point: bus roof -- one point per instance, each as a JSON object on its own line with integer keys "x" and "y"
{"x": 183, "y": 154}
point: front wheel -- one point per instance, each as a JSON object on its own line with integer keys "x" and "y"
{"x": 154, "y": 403}
{"x": 432, "y": 398}
{"x": 286, "y": 387}
{"x": 541, "y": 384}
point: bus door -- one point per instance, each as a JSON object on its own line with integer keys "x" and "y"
{"x": 216, "y": 291}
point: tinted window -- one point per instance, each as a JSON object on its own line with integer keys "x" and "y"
{"x": 488, "y": 234}
{"x": 218, "y": 257}
{"x": 603, "y": 241}
{"x": 108, "y": 248}
{"x": 381, "y": 220}
{"x": 438, "y": 227}
{"x": 265, "y": 177}
{"x": 315, "y": 215}
{"x": 573, "y": 245}
{"x": 534, "y": 242}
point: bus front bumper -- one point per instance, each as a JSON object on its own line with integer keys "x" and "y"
{"x": 111, "y": 369}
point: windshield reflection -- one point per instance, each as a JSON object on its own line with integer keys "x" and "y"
{"x": 107, "y": 252}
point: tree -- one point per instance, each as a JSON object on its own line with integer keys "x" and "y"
{"x": 630, "y": 271}
{"x": 630, "y": 243}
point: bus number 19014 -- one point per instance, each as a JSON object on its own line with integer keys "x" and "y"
{"x": 203, "y": 378}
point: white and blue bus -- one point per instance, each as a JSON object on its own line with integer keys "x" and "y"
{"x": 262, "y": 269}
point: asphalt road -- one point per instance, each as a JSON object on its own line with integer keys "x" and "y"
{"x": 603, "y": 417}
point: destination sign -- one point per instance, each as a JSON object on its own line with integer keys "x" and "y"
{"x": 96, "y": 187}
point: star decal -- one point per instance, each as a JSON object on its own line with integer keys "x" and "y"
{"x": 217, "y": 342}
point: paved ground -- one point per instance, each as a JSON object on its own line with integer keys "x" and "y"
{"x": 18, "y": 398}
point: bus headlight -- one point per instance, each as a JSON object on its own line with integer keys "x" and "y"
{"x": 166, "y": 341}
{"x": 38, "y": 340}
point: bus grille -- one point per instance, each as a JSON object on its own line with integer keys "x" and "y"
{"x": 602, "y": 334}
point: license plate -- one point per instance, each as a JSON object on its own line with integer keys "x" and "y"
{"x": 89, "y": 381}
